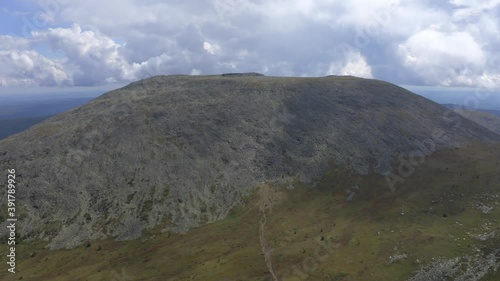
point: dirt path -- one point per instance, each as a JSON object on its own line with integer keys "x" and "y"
{"x": 265, "y": 205}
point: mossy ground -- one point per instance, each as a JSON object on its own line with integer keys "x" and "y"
{"x": 315, "y": 233}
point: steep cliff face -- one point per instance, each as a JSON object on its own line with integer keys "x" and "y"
{"x": 180, "y": 151}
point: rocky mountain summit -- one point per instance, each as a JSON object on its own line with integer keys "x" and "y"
{"x": 180, "y": 151}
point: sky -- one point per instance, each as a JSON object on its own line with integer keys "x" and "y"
{"x": 421, "y": 43}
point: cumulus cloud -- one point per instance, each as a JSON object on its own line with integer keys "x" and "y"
{"x": 92, "y": 57}
{"x": 460, "y": 52}
{"x": 9, "y": 42}
{"x": 407, "y": 42}
{"x": 443, "y": 58}
{"x": 355, "y": 65}
{"x": 30, "y": 68}
{"x": 210, "y": 48}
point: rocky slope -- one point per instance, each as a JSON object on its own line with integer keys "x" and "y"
{"x": 181, "y": 151}
{"x": 485, "y": 119}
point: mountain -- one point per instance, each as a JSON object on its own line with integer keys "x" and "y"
{"x": 485, "y": 119}
{"x": 182, "y": 151}
{"x": 494, "y": 112}
{"x": 248, "y": 177}
{"x": 439, "y": 224}
{"x": 489, "y": 119}
{"x": 456, "y": 106}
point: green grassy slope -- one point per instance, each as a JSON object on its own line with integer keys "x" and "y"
{"x": 312, "y": 233}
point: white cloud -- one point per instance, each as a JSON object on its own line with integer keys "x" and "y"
{"x": 354, "y": 64}
{"x": 444, "y": 58}
{"x": 413, "y": 42}
{"x": 472, "y": 8}
{"x": 31, "y": 68}
{"x": 357, "y": 66}
{"x": 90, "y": 58}
{"x": 93, "y": 57}
{"x": 210, "y": 48}
{"x": 195, "y": 72}
{"x": 435, "y": 47}
{"x": 153, "y": 66}
{"x": 9, "y": 42}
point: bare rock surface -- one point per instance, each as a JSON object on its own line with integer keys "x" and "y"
{"x": 180, "y": 151}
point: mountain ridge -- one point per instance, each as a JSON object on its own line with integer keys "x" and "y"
{"x": 182, "y": 151}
